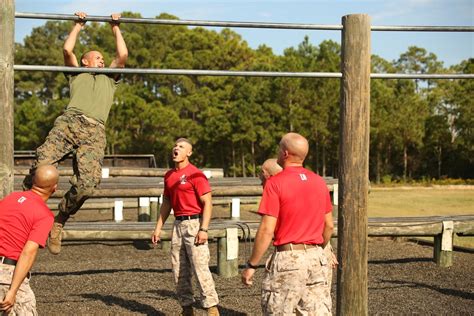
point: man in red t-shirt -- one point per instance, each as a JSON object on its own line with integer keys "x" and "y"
{"x": 296, "y": 213}
{"x": 188, "y": 192}
{"x": 25, "y": 222}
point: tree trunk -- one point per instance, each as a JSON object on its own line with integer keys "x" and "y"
{"x": 377, "y": 165}
{"x": 316, "y": 153}
{"x": 440, "y": 152}
{"x": 405, "y": 162}
{"x": 244, "y": 173}
{"x": 254, "y": 167}
{"x": 290, "y": 114}
{"x": 233, "y": 161}
{"x": 323, "y": 158}
{"x": 223, "y": 160}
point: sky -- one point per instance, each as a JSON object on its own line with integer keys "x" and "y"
{"x": 450, "y": 48}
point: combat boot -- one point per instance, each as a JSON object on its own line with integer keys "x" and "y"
{"x": 55, "y": 236}
{"x": 212, "y": 311}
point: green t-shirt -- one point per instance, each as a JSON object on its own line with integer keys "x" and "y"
{"x": 91, "y": 95}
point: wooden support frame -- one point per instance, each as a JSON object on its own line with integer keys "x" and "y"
{"x": 443, "y": 245}
{"x": 352, "y": 284}
{"x": 7, "y": 31}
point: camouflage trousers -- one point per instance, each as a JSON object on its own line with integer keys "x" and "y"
{"x": 296, "y": 282}
{"x": 85, "y": 138}
{"x": 328, "y": 253}
{"x": 25, "y": 298}
{"x": 186, "y": 259}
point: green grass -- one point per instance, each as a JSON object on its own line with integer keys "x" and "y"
{"x": 420, "y": 201}
{"x": 423, "y": 201}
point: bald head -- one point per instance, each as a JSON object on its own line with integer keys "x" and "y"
{"x": 269, "y": 168}
{"x": 293, "y": 149}
{"x": 46, "y": 179}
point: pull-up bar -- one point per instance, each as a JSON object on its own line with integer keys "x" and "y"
{"x": 263, "y": 25}
{"x": 232, "y": 73}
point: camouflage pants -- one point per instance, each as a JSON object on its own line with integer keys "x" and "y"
{"x": 25, "y": 298}
{"x": 86, "y": 140}
{"x": 295, "y": 282}
{"x": 187, "y": 258}
{"x": 328, "y": 253}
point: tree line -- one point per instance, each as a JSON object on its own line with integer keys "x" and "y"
{"x": 419, "y": 128}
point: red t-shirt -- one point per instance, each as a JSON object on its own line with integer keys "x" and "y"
{"x": 184, "y": 187}
{"x": 299, "y": 199}
{"x": 24, "y": 216}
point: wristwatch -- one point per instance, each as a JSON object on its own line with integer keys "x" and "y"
{"x": 203, "y": 230}
{"x": 251, "y": 266}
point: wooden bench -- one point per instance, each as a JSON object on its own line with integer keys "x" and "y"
{"x": 442, "y": 228}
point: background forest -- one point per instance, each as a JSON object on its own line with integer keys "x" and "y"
{"x": 419, "y": 128}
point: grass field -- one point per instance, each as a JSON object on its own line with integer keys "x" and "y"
{"x": 423, "y": 201}
{"x": 420, "y": 201}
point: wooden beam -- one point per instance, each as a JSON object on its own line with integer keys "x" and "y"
{"x": 352, "y": 291}
{"x": 7, "y": 45}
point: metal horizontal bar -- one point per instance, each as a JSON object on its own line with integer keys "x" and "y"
{"x": 190, "y": 72}
{"x": 267, "y": 25}
{"x": 232, "y": 73}
{"x": 421, "y": 76}
{"x": 401, "y": 28}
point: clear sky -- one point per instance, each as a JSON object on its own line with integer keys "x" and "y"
{"x": 451, "y": 48}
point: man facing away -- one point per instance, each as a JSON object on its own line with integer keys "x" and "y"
{"x": 81, "y": 129}
{"x": 296, "y": 212}
{"x": 270, "y": 167}
{"x": 188, "y": 193}
{"x": 25, "y": 222}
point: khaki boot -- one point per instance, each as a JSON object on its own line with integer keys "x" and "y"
{"x": 188, "y": 311}
{"x": 212, "y": 311}
{"x": 54, "y": 241}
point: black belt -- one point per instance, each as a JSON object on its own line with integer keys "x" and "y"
{"x": 8, "y": 261}
{"x": 186, "y": 217}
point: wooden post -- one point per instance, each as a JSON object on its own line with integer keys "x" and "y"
{"x": 144, "y": 209}
{"x": 7, "y": 42}
{"x": 154, "y": 209}
{"x": 118, "y": 210}
{"x": 443, "y": 245}
{"x": 228, "y": 254}
{"x": 235, "y": 209}
{"x": 352, "y": 292}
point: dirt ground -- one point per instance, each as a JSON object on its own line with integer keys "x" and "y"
{"x": 131, "y": 278}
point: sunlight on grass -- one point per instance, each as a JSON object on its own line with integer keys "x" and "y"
{"x": 422, "y": 201}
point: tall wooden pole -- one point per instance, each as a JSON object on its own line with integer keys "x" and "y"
{"x": 7, "y": 26}
{"x": 354, "y": 166}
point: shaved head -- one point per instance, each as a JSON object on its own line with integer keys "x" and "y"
{"x": 182, "y": 150}
{"x": 184, "y": 140}
{"x": 293, "y": 149}
{"x": 271, "y": 167}
{"x": 46, "y": 178}
{"x": 92, "y": 58}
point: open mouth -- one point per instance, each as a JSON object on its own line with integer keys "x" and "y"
{"x": 175, "y": 153}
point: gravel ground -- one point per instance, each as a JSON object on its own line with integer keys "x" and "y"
{"x": 131, "y": 278}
